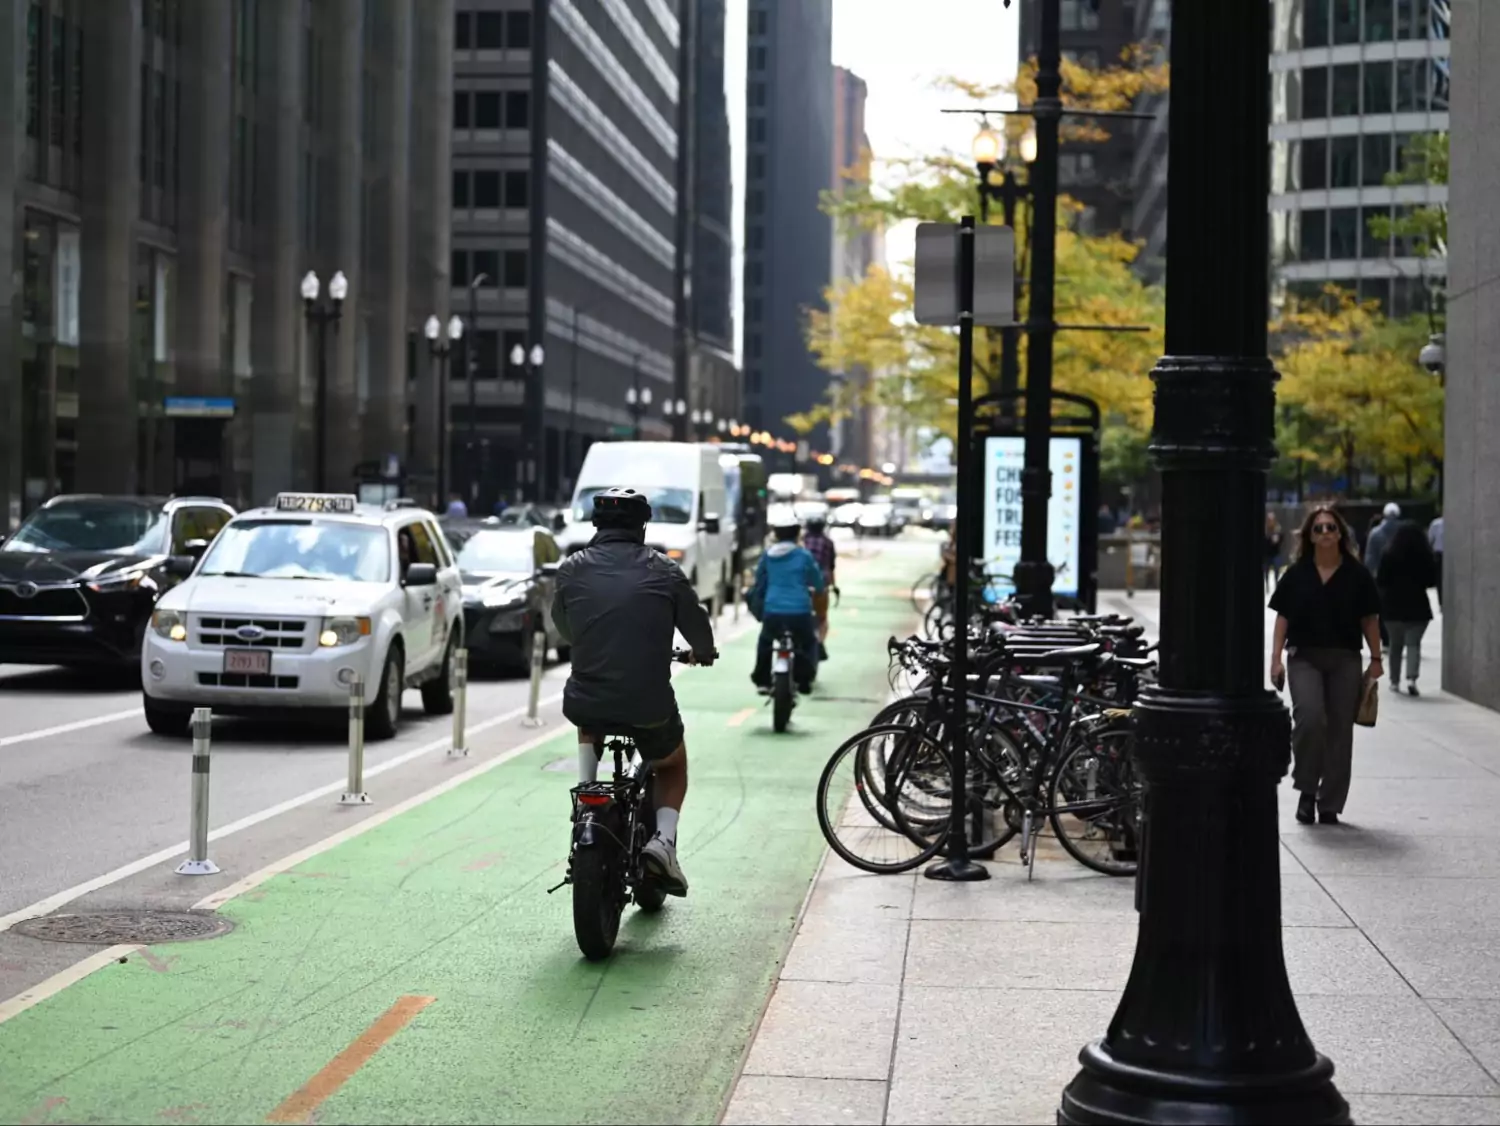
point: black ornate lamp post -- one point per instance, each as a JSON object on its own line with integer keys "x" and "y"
{"x": 528, "y": 362}
{"x": 1207, "y": 1029}
{"x": 703, "y": 423}
{"x": 676, "y": 412}
{"x": 320, "y": 317}
{"x": 638, "y": 399}
{"x": 441, "y": 347}
{"x": 471, "y": 374}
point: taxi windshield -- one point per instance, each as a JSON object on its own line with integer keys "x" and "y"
{"x": 120, "y": 528}
{"x": 668, "y": 506}
{"x": 300, "y": 549}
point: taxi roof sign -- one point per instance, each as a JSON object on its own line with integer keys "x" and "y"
{"x": 316, "y": 502}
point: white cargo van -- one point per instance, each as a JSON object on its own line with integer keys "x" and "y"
{"x": 690, "y": 514}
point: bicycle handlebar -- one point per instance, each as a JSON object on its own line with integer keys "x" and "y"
{"x": 686, "y": 657}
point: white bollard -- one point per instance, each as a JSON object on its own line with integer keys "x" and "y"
{"x": 460, "y": 747}
{"x": 354, "y": 792}
{"x": 538, "y": 664}
{"x": 198, "y": 863}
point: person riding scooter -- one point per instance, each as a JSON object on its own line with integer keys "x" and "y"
{"x": 782, "y": 598}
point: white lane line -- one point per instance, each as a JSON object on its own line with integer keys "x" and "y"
{"x": 62, "y": 979}
{"x": 62, "y": 898}
{"x": 64, "y": 728}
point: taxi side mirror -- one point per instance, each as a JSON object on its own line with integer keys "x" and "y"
{"x": 195, "y": 548}
{"x": 179, "y": 566}
{"x": 421, "y": 574}
{"x": 711, "y": 523}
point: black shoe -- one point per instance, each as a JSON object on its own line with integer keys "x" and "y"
{"x": 1328, "y": 817}
{"x": 1305, "y": 808}
{"x": 823, "y": 654}
{"x": 805, "y": 689}
{"x": 1412, "y": 689}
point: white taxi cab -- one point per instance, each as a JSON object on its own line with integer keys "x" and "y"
{"x": 292, "y": 602}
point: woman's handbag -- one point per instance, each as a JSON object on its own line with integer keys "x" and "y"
{"x": 1369, "y": 704}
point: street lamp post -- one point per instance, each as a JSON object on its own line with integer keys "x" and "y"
{"x": 989, "y": 154}
{"x": 441, "y": 348}
{"x": 528, "y": 362}
{"x": 638, "y": 399}
{"x": 676, "y": 412}
{"x": 1207, "y": 1029}
{"x": 703, "y": 421}
{"x": 320, "y": 317}
{"x": 471, "y": 365}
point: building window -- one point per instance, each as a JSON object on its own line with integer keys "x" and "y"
{"x": 461, "y": 109}
{"x": 489, "y": 30}
{"x": 757, "y": 129}
{"x": 487, "y": 109}
{"x": 1078, "y": 15}
{"x": 486, "y": 353}
{"x": 1315, "y": 24}
{"x": 462, "y": 29}
{"x": 517, "y": 189}
{"x": 1346, "y": 90}
{"x": 458, "y": 268}
{"x": 1346, "y": 21}
{"x": 755, "y": 202}
{"x": 1314, "y": 236}
{"x": 460, "y": 189}
{"x": 518, "y": 109}
{"x": 518, "y": 30}
{"x": 757, "y": 58}
{"x": 487, "y": 263}
{"x": 1376, "y": 160}
{"x": 487, "y": 189}
{"x": 1379, "y": 21}
{"x": 515, "y": 269}
{"x": 1314, "y": 164}
{"x": 757, "y": 165}
{"x": 34, "y": 71}
{"x": 1345, "y": 170}
{"x": 57, "y": 81}
{"x": 1378, "y": 83}
{"x": 1411, "y": 86}
{"x": 1343, "y": 232}
{"x": 754, "y": 274}
{"x": 1411, "y": 19}
{"x": 757, "y": 95}
{"x": 1370, "y": 246}
{"x": 1314, "y": 93}
{"x": 758, "y": 22}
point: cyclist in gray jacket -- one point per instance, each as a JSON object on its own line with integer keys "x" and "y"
{"x": 617, "y": 604}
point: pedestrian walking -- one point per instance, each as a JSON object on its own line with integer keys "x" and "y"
{"x": 1407, "y": 569}
{"x": 1273, "y": 548}
{"x": 1381, "y": 530}
{"x": 1435, "y": 541}
{"x": 1326, "y": 604}
{"x": 457, "y": 509}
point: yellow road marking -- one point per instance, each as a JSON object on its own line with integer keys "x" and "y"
{"x": 740, "y": 717}
{"x": 299, "y": 1107}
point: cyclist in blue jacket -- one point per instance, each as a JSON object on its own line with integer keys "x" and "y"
{"x": 781, "y": 597}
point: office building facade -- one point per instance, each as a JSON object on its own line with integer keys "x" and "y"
{"x": 566, "y": 197}
{"x": 172, "y": 170}
{"x": 853, "y": 250}
{"x": 788, "y": 241}
{"x": 1352, "y": 82}
{"x": 1148, "y": 167}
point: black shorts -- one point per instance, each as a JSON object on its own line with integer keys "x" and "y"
{"x": 655, "y": 741}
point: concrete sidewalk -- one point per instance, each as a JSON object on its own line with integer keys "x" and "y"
{"x": 904, "y": 1000}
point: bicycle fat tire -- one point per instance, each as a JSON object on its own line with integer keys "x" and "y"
{"x": 598, "y": 900}
{"x": 852, "y": 745}
{"x": 781, "y": 701}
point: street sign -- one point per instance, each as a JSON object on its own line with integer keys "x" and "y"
{"x": 196, "y": 407}
{"x": 937, "y": 292}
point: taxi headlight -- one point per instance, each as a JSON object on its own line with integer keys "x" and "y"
{"x": 499, "y": 599}
{"x": 343, "y": 631}
{"x": 169, "y": 624}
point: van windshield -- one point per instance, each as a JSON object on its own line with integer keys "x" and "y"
{"x": 668, "y": 506}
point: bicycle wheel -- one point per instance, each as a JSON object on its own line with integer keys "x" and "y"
{"x": 1095, "y": 803}
{"x": 910, "y": 766}
{"x": 996, "y": 772}
{"x": 598, "y": 900}
{"x": 922, "y": 591}
{"x": 781, "y": 701}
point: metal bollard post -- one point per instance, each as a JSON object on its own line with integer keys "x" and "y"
{"x": 460, "y": 747}
{"x": 354, "y": 792}
{"x": 538, "y": 663}
{"x": 198, "y": 863}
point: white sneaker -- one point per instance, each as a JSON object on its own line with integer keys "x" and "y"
{"x": 659, "y": 859}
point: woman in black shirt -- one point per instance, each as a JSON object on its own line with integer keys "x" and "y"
{"x": 1326, "y": 604}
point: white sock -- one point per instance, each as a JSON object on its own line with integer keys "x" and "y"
{"x": 666, "y": 824}
{"x": 588, "y": 763}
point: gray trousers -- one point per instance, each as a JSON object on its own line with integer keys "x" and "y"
{"x": 1406, "y": 637}
{"x": 1325, "y": 686}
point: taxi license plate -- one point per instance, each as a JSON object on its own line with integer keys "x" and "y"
{"x": 256, "y": 662}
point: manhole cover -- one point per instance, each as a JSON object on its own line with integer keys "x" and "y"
{"x": 113, "y": 928}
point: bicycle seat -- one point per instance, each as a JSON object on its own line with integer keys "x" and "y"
{"x": 1136, "y": 662}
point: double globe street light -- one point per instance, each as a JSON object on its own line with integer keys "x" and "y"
{"x": 529, "y": 361}
{"x": 441, "y": 346}
{"x": 320, "y": 317}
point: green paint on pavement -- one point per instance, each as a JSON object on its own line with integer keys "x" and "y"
{"x": 448, "y": 900}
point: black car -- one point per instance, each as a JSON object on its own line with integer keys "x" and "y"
{"x": 81, "y": 576}
{"x": 507, "y": 595}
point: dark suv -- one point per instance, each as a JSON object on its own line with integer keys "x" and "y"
{"x": 79, "y": 579}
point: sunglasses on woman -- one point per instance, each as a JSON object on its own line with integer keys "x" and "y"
{"x": 1325, "y": 529}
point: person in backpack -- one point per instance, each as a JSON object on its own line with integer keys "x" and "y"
{"x": 817, "y": 542}
{"x": 786, "y": 578}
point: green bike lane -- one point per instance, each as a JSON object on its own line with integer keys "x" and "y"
{"x": 420, "y": 972}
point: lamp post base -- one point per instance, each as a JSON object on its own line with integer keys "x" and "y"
{"x": 958, "y": 870}
{"x": 1108, "y": 1091}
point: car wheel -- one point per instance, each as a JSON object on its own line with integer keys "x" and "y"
{"x": 437, "y": 693}
{"x": 383, "y": 715}
{"x": 165, "y": 719}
